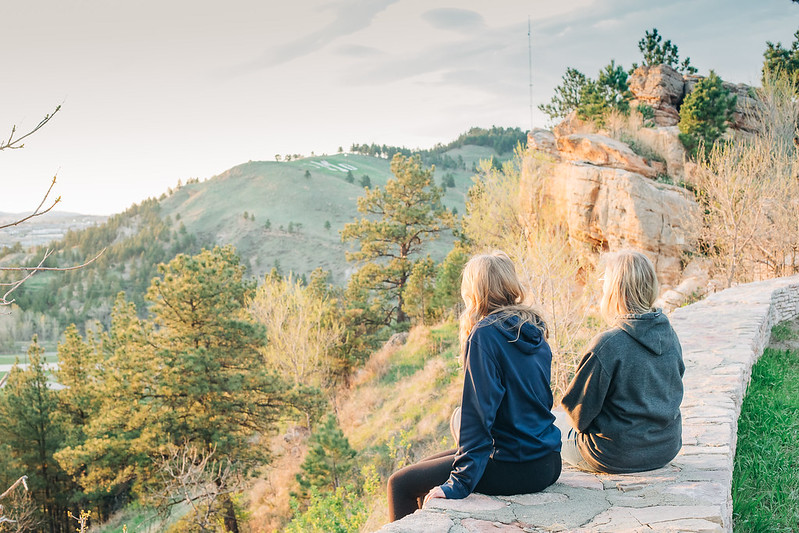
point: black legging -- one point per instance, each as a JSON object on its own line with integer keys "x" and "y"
{"x": 408, "y": 486}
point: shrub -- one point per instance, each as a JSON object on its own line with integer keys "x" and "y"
{"x": 704, "y": 113}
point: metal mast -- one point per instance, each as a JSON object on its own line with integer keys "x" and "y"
{"x": 530, "y": 57}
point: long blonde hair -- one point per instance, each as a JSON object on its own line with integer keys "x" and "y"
{"x": 490, "y": 286}
{"x": 631, "y": 285}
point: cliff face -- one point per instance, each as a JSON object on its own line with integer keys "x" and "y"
{"x": 607, "y": 197}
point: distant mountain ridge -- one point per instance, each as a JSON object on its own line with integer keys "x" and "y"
{"x": 52, "y": 226}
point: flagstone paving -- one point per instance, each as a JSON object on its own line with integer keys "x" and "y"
{"x": 722, "y": 337}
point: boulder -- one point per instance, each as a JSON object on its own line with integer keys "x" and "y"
{"x": 666, "y": 142}
{"x": 608, "y": 209}
{"x": 604, "y": 151}
{"x": 660, "y": 87}
{"x": 571, "y": 123}
{"x": 542, "y": 140}
{"x": 694, "y": 286}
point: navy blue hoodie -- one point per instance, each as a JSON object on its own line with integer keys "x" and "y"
{"x": 507, "y": 401}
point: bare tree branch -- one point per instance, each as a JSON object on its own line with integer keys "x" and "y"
{"x": 23, "y": 480}
{"x": 31, "y": 270}
{"x": 37, "y": 212}
{"x": 14, "y": 143}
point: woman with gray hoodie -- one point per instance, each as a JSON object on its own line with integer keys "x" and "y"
{"x": 624, "y": 400}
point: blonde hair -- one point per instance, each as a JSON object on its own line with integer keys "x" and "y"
{"x": 490, "y": 286}
{"x": 631, "y": 285}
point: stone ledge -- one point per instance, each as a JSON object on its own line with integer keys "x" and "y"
{"x": 722, "y": 337}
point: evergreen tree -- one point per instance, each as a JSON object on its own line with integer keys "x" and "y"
{"x": 330, "y": 458}
{"x": 403, "y": 216}
{"x": 366, "y": 181}
{"x": 705, "y": 113}
{"x": 592, "y": 99}
{"x": 567, "y": 95}
{"x": 193, "y": 376}
{"x": 780, "y": 60}
{"x": 307, "y": 174}
{"x": 27, "y": 407}
{"x": 419, "y": 292}
{"x": 447, "y": 292}
{"x": 350, "y": 178}
{"x": 656, "y": 51}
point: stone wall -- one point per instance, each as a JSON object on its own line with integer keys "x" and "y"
{"x": 722, "y": 337}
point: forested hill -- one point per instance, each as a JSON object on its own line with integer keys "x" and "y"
{"x": 282, "y": 214}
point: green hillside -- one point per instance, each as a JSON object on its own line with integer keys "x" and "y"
{"x": 293, "y": 221}
{"x": 294, "y": 210}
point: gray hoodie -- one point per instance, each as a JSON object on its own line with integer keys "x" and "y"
{"x": 625, "y": 397}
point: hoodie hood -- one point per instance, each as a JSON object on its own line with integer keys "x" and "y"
{"x": 528, "y": 339}
{"x": 652, "y": 330}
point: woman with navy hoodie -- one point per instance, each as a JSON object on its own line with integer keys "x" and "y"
{"x": 508, "y": 443}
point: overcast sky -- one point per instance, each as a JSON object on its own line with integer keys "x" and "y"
{"x": 159, "y": 90}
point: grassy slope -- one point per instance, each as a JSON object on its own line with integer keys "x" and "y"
{"x": 280, "y": 193}
{"x": 401, "y": 401}
{"x": 765, "y": 486}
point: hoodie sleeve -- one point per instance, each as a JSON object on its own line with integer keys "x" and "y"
{"x": 586, "y": 393}
{"x": 483, "y": 391}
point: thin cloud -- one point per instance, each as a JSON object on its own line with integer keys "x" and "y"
{"x": 451, "y": 18}
{"x": 351, "y": 16}
{"x": 357, "y": 50}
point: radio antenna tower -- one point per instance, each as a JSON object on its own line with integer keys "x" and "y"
{"x": 530, "y": 57}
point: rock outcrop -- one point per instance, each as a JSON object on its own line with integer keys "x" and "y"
{"x": 604, "y": 151}
{"x": 666, "y": 142}
{"x": 608, "y": 209}
{"x": 543, "y": 140}
{"x": 660, "y": 87}
{"x": 663, "y": 89}
{"x": 605, "y": 195}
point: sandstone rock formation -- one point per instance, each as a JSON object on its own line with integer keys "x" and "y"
{"x": 608, "y": 209}
{"x": 543, "y": 141}
{"x": 666, "y": 142}
{"x": 660, "y": 87}
{"x": 663, "y": 89}
{"x": 603, "y": 151}
{"x": 694, "y": 286}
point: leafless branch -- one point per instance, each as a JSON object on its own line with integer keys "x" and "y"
{"x": 23, "y": 480}
{"x": 19, "y": 509}
{"x": 14, "y": 142}
{"x": 198, "y": 478}
{"x": 31, "y": 270}
{"x": 38, "y": 211}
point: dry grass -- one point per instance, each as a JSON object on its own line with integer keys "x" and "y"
{"x": 419, "y": 403}
{"x": 269, "y": 497}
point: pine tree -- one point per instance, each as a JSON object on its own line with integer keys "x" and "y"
{"x": 193, "y": 375}
{"x": 705, "y": 113}
{"x": 780, "y": 60}
{"x": 567, "y": 95}
{"x": 330, "y": 458}
{"x": 447, "y": 292}
{"x": 402, "y": 217}
{"x": 656, "y": 51}
{"x": 27, "y": 406}
{"x": 419, "y": 292}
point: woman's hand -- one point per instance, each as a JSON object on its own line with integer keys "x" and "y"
{"x": 435, "y": 492}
